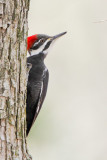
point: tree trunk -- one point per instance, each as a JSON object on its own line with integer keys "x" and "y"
{"x": 13, "y": 34}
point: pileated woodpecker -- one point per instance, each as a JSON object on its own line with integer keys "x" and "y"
{"x": 37, "y": 46}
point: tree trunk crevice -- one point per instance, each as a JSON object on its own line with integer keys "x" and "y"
{"x": 13, "y": 34}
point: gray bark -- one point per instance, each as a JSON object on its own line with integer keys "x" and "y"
{"x": 13, "y": 34}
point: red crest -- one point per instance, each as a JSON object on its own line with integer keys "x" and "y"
{"x": 31, "y": 40}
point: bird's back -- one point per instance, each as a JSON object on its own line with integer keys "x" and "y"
{"x": 36, "y": 89}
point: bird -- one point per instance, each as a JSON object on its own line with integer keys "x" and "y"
{"x": 38, "y": 46}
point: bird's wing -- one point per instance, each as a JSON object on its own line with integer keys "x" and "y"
{"x": 35, "y": 106}
{"x": 42, "y": 94}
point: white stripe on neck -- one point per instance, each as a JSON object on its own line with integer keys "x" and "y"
{"x": 40, "y": 49}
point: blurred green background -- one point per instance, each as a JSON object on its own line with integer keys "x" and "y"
{"x": 72, "y": 124}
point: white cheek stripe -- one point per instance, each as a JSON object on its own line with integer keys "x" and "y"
{"x": 48, "y": 49}
{"x": 36, "y": 43}
{"x": 35, "y": 52}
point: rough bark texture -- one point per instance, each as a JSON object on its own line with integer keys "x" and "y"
{"x": 13, "y": 33}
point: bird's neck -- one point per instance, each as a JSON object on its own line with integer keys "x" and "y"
{"x": 38, "y": 57}
{"x": 34, "y": 53}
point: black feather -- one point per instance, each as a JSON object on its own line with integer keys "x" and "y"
{"x": 36, "y": 88}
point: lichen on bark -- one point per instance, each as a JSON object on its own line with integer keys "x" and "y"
{"x": 13, "y": 34}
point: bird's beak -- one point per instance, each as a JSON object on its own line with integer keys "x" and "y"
{"x": 58, "y": 35}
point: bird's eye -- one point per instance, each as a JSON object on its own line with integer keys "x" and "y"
{"x": 42, "y": 40}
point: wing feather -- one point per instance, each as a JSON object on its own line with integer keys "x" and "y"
{"x": 34, "y": 102}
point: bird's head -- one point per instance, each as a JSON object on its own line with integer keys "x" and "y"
{"x": 40, "y": 43}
